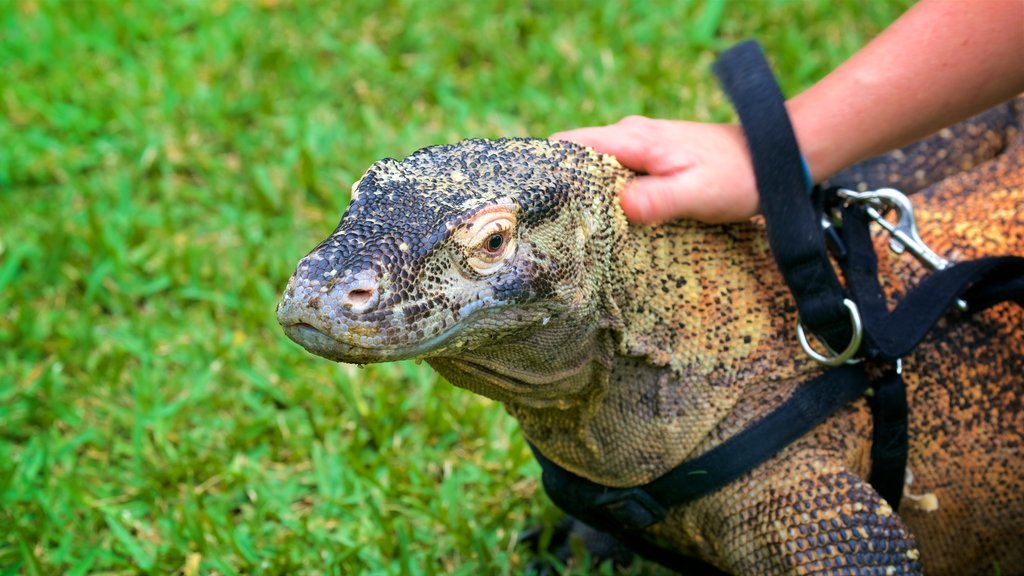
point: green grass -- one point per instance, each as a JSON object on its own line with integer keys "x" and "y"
{"x": 163, "y": 165}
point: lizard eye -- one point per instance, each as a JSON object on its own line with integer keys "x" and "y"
{"x": 488, "y": 240}
{"x": 491, "y": 245}
{"x": 494, "y": 243}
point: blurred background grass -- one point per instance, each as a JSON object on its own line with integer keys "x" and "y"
{"x": 163, "y": 165}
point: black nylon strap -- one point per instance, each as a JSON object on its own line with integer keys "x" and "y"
{"x": 794, "y": 232}
{"x": 809, "y": 405}
{"x": 616, "y": 509}
{"x": 860, "y": 268}
{"x": 889, "y": 410}
{"x": 982, "y": 283}
{"x": 889, "y": 438}
{"x": 889, "y": 336}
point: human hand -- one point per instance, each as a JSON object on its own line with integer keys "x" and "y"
{"x": 688, "y": 169}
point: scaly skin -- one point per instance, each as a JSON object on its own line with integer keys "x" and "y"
{"x": 624, "y": 350}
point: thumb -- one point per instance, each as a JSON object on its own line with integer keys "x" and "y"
{"x": 652, "y": 199}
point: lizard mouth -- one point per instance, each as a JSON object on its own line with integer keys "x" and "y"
{"x": 356, "y": 344}
{"x": 351, "y": 351}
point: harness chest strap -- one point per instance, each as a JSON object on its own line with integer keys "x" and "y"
{"x": 615, "y": 510}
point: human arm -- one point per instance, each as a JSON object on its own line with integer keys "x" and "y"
{"x": 940, "y": 62}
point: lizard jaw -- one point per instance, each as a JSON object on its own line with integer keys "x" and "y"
{"x": 322, "y": 344}
{"x": 350, "y": 344}
{"x": 351, "y": 348}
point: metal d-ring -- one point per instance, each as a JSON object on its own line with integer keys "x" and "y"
{"x": 836, "y": 358}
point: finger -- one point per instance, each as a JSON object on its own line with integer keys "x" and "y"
{"x": 629, "y": 146}
{"x": 577, "y": 135}
{"x": 588, "y": 136}
{"x": 613, "y": 140}
{"x": 652, "y": 199}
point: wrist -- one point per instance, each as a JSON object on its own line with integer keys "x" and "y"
{"x": 826, "y": 144}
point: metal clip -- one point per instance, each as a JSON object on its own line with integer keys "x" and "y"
{"x": 904, "y": 236}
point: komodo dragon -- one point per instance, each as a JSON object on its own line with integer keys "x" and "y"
{"x": 623, "y": 350}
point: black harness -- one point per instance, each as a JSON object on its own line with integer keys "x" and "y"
{"x": 855, "y": 321}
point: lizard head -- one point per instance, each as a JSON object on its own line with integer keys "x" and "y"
{"x": 454, "y": 248}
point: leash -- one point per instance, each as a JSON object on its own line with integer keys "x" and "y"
{"x": 852, "y": 322}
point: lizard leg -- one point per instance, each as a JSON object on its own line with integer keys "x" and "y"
{"x": 830, "y": 520}
{"x": 808, "y": 516}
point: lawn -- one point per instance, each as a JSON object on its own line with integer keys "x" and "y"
{"x": 163, "y": 166}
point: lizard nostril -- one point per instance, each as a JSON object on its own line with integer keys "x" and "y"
{"x": 360, "y": 293}
{"x": 359, "y": 296}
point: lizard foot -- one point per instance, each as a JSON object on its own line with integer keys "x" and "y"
{"x": 571, "y": 541}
